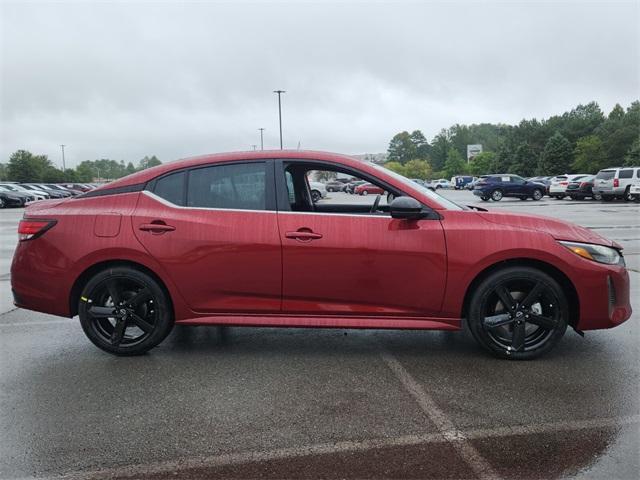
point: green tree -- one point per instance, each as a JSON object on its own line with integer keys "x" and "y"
{"x": 455, "y": 164}
{"x": 589, "y": 155}
{"x": 556, "y": 157}
{"x": 420, "y": 143}
{"x": 524, "y": 162}
{"x": 395, "y": 167}
{"x": 401, "y": 148}
{"x": 417, "y": 168}
{"x": 440, "y": 149}
{"x": 26, "y": 167}
{"x": 632, "y": 158}
{"x": 482, "y": 164}
{"x": 3, "y": 172}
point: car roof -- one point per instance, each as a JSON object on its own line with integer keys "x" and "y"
{"x": 148, "y": 174}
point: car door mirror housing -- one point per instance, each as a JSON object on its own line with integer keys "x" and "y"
{"x": 406, "y": 208}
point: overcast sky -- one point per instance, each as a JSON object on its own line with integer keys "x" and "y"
{"x": 126, "y": 79}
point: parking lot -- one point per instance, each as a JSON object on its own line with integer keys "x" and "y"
{"x": 312, "y": 403}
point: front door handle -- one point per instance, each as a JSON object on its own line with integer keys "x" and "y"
{"x": 303, "y": 235}
{"x": 156, "y": 227}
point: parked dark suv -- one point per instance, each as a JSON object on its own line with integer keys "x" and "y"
{"x": 495, "y": 187}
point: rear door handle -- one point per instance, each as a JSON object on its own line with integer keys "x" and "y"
{"x": 303, "y": 236}
{"x": 156, "y": 227}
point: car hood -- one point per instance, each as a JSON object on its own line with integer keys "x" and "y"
{"x": 558, "y": 229}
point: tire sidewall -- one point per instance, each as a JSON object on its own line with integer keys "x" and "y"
{"x": 485, "y": 288}
{"x": 162, "y": 303}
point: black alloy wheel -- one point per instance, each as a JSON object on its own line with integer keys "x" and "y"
{"x": 518, "y": 313}
{"x": 124, "y": 311}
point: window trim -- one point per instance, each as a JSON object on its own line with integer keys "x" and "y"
{"x": 283, "y": 205}
{"x": 270, "y": 200}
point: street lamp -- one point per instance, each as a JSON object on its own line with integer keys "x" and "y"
{"x": 261, "y": 138}
{"x": 63, "y": 166}
{"x": 279, "y": 92}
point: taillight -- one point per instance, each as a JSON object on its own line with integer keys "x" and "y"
{"x": 564, "y": 183}
{"x": 29, "y": 229}
{"x": 584, "y": 184}
{"x": 616, "y": 182}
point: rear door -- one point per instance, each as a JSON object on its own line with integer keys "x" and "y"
{"x": 214, "y": 230}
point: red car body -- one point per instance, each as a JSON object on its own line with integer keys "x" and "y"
{"x": 367, "y": 188}
{"x": 245, "y": 267}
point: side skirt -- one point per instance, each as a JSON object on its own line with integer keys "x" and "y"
{"x": 414, "y": 323}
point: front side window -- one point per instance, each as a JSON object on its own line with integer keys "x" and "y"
{"x": 240, "y": 186}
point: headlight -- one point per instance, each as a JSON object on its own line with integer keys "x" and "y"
{"x": 597, "y": 253}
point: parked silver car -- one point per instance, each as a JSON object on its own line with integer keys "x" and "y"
{"x": 616, "y": 182}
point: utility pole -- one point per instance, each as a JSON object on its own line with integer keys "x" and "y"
{"x": 254, "y": 147}
{"x": 279, "y": 92}
{"x": 63, "y": 166}
{"x": 261, "y": 138}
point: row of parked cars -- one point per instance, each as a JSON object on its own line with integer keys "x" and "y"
{"x": 608, "y": 184}
{"x": 19, "y": 194}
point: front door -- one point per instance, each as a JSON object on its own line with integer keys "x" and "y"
{"x": 339, "y": 257}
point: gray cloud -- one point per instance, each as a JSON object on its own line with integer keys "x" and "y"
{"x": 122, "y": 80}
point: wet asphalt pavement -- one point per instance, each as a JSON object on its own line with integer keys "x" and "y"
{"x": 304, "y": 403}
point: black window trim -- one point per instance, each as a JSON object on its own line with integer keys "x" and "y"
{"x": 269, "y": 165}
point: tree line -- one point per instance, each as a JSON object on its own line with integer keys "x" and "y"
{"x": 583, "y": 140}
{"x": 24, "y": 166}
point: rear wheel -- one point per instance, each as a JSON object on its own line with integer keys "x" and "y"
{"x": 518, "y": 313}
{"x": 596, "y": 196}
{"x": 496, "y": 195}
{"x": 125, "y": 311}
{"x": 315, "y": 195}
{"x": 537, "y": 194}
{"x": 484, "y": 199}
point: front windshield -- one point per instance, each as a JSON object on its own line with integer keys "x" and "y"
{"x": 448, "y": 204}
{"x": 7, "y": 187}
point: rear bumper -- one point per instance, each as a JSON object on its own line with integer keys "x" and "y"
{"x": 609, "y": 190}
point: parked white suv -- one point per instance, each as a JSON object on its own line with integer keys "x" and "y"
{"x": 616, "y": 182}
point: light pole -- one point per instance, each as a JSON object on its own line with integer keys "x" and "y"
{"x": 261, "y": 138}
{"x": 280, "y": 92}
{"x": 254, "y": 147}
{"x": 63, "y": 166}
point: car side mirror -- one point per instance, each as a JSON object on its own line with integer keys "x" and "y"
{"x": 407, "y": 208}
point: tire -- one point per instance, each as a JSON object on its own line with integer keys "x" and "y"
{"x": 559, "y": 197}
{"x": 485, "y": 199}
{"x": 522, "y": 198}
{"x": 537, "y": 194}
{"x": 315, "y": 196}
{"x": 496, "y": 195}
{"x": 140, "y": 326}
{"x": 627, "y": 195}
{"x": 596, "y": 196}
{"x": 2, "y": 203}
{"x": 513, "y": 333}
{"x": 365, "y": 192}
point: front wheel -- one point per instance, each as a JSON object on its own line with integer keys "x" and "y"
{"x": 315, "y": 196}
{"x": 537, "y": 194}
{"x": 627, "y": 195}
{"x": 125, "y": 311}
{"x": 2, "y": 203}
{"x": 496, "y": 195}
{"x": 518, "y": 313}
{"x": 365, "y": 192}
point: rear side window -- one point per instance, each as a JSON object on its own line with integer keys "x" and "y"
{"x": 171, "y": 188}
{"x": 626, "y": 173}
{"x": 605, "y": 174}
{"x": 236, "y": 186}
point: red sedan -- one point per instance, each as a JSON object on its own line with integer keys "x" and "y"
{"x": 235, "y": 239}
{"x": 367, "y": 188}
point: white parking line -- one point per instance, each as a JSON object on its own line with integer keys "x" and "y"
{"x": 445, "y": 426}
{"x": 139, "y": 471}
